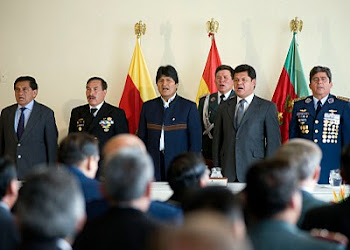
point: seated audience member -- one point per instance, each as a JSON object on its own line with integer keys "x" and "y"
{"x": 305, "y": 156}
{"x": 79, "y": 152}
{"x": 335, "y": 217}
{"x": 220, "y": 200}
{"x": 128, "y": 176}
{"x": 202, "y": 230}
{"x": 160, "y": 211}
{"x": 186, "y": 173}
{"x": 50, "y": 210}
{"x": 274, "y": 200}
{"x": 9, "y": 236}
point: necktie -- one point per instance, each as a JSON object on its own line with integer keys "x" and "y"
{"x": 222, "y": 98}
{"x": 20, "y": 127}
{"x": 92, "y": 111}
{"x": 319, "y": 106}
{"x": 240, "y": 112}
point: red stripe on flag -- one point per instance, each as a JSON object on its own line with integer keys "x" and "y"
{"x": 283, "y": 97}
{"x": 212, "y": 63}
{"x": 131, "y": 102}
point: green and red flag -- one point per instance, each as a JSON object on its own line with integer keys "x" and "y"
{"x": 292, "y": 84}
{"x": 137, "y": 90}
{"x": 207, "y": 83}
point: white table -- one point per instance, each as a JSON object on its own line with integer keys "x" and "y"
{"x": 161, "y": 191}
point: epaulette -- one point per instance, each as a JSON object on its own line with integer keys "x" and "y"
{"x": 343, "y": 98}
{"x": 300, "y": 98}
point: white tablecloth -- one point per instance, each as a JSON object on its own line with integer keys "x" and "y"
{"x": 161, "y": 191}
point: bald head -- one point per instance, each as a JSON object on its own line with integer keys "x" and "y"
{"x": 118, "y": 142}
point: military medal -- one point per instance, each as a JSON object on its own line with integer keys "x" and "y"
{"x": 106, "y": 123}
{"x": 80, "y": 124}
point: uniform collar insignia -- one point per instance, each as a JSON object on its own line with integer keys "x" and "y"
{"x": 308, "y": 100}
{"x": 330, "y": 100}
{"x": 213, "y": 99}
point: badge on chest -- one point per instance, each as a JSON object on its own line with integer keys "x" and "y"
{"x": 80, "y": 124}
{"x": 106, "y": 124}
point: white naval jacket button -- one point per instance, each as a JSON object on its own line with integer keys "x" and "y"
{"x": 315, "y": 141}
{"x": 19, "y": 156}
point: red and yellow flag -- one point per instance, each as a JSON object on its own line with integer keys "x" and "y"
{"x": 291, "y": 85}
{"x": 207, "y": 83}
{"x": 137, "y": 90}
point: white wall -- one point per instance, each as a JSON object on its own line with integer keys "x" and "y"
{"x": 64, "y": 42}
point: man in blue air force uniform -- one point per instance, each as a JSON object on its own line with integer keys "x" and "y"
{"x": 324, "y": 119}
{"x": 209, "y": 105}
{"x": 169, "y": 124}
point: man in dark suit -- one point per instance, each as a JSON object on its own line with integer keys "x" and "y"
{"x": 50, "y": 210}
{"x": 28, "y": 132}
{"x": 305, "y": 157}
{"x": 128, "y": 178}
{"x": 274, "y": 201}
{"x": 79, "y": 153}
{"x": 335, "y": 217}
{"x": 98, "y": 118}
{"x": 209, "y": 104}
{"x": 324, "y": 119}
{"x": 9, "y": 236}
{"x": 169, "y": 124}
{"x": 246, "y": 128}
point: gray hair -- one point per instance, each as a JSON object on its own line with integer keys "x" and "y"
{"x": 50, "y": 203}
{"x": 127, "y": 174}
{"x": 303, "y": 155}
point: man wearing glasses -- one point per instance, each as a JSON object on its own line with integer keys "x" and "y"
{"x": 324, "y": 119}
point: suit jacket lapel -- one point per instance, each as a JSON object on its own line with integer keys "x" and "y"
{"x": 34, "y": 117}
{"x": 310, "y": 106}
{"x": 98, "y": 117}
{"x": 253, "y": 109}
{"x": 12, "y": 121}
{"x": 328, "y": 104}
{"x": 213, "y": 103}
{"x": 231, "y": 109}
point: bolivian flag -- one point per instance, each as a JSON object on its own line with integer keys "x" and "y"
{"x": 207, "y": 83}
{"x": 291, "y": 85}
{"x": 137, "y": 90}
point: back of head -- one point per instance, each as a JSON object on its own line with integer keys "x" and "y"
{"x": 50, "y": 204}
{"x": 202, "y": 230}
{"x": 185, "y": 172}
{"x": 214, "y": 198}
{"x": 7, "y": 174}
{"x": 246, "y": 68}
{"x": 168, "y": 71}
{"x": 345, "y": 164}
{"x": 270, "y": 186}
{"x": 127, "y": 174}
{"x": 77, "y": 147}
{"x": 118, "y": 142}
{"x": 303, "y": 155}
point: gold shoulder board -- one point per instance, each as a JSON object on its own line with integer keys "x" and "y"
{"x": 300, "y": 98}
{"x": 343, "y": 98}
